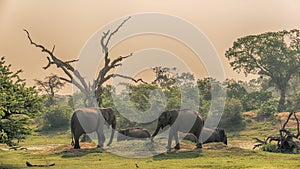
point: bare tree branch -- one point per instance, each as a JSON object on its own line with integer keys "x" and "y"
{"x": 285, "y": 142}
{"x": 130, "y": 78}
{"x": 74, "y": 75}
{"x": 71, "y": 61}
{"x": 116, "y": 30}
{"x": 53, "y": 49}
{"x": 64, "y": 79}
{"x": 116, "y": 62}
{"x": 287, "y": 120}
{"x": 64, "y": 65}
{"x": 49, "y": 63}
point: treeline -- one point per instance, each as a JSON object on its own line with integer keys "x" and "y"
{"x": 177, "y": 91}
{"x": 273, "y": 56}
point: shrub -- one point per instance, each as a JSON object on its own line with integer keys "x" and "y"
{"x": 268, "y": 109}
{"x": 232, "y": 117}
{"x": 3, "y": 137}
{"x": 57, "y": 116}
{"x": 269, "y": 148}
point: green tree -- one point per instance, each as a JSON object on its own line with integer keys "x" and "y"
{"x": 166, "y": 77}
{"x": 274, "y": 55}
{"x": 235, "y": 89}
{"x": 232, "y": 117}
{"x": 51, "y": 85}
{"x": 254, "y": 100}
{"x": 204, "y": 86}
{"x": 18, "y": 104}
{"x": 57, "y": 116}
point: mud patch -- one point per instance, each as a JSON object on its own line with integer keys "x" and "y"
{"x": 60, "y": 149}
{"x": 292, "y": 123}
{"x": 32, "y": 147}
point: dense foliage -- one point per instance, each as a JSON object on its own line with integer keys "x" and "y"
{"x": 57, "y": 116}
{"x": 18, "y": 105}
{"x": 272, "y": 55}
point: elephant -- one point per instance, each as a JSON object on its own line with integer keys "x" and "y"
{"x": 88, "y": 120}
{"x": 133, "y": 133}
{"x": 183, "y": 120}
{"x": 191, "y": 137}
{"x": 216, "y": 135}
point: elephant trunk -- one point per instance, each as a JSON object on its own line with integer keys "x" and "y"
{"x": 156, "y": 131}
{"x": 225, "y": 140}
{"x": 113, "y": 126}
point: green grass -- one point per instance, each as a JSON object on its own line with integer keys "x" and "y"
{"x": 212, "y": 156}
{"x": 229, "y": 158}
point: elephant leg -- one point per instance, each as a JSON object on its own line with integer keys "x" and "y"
{"x": 101, "y": 138}
{"x": 176, "y": 141}
{"x": 199, "y": 140}
{"x": 76, "y": 145}
{"x": 171, "y": 134}
{"x": 77, "y": 134}
{"x": 199, "y": 145}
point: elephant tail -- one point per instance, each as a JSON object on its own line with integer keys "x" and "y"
{"x": 72, "y": 129}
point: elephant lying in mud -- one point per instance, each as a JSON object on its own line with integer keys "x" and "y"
{"x": 180, "y": 120}
{"x": 216, "y": 135}
{"x": 191, "y": 137}
{"x": 133, "y": 134}
{"x": 88, "y": 120}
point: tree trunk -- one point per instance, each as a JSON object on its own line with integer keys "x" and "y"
{"x": 281, "y": 104}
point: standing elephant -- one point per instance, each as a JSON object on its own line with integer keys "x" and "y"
{"x": 88, "y": 120}
{"x": 133, "y": 133}
{"x": 185, "y": 120}
{"x": 215, "y": 135}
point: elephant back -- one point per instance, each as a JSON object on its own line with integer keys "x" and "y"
{"x": 89, "y": 118}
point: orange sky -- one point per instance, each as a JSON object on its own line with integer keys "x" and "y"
{"x": 70, "y": 23}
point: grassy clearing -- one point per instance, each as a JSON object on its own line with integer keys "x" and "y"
{"x": 54, "y": 147}
{"x": 87, "y": 158}
{"x": 213, "y": 155}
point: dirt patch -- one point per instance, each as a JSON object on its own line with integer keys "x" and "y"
{"x": 250, "y": 115}
{"x": 67, "y": 149}
{"x": 241, "y": 144}
{"x": 32, "y": 147}
{"x": 215, "y": 146}
{"x": 292, "y": 123}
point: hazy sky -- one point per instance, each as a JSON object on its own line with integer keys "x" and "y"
{"x": 69, "y": 24}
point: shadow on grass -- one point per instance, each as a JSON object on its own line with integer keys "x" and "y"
{"x": 178, "y": 155}
{"x": 70, "y": 153}
{"x": 8, "y": 166}
{"x": 53, "y": 131}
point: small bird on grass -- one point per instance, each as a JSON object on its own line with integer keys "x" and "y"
{"x": 136, "y": 165}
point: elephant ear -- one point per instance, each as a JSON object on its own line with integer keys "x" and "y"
{"x": 171, "y": 116}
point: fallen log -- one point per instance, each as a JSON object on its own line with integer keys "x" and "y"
{"x": 28, "y": 164}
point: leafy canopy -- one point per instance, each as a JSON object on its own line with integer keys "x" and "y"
{"x": 18, "y": 104}
{"x": 275, "y": 55}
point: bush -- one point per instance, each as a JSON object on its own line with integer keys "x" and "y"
{"x": 232, "y": 117}
{"x": 57, "y": 116}
{"x": 255, "y": 100}
{"x": 3, "y": 137}
{"x": 269, "y": 148}
{"x": 268, "y": 109}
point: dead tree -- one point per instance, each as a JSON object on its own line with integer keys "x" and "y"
{"x": 285, "y": 139}
{"x": 74, "y": 76}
